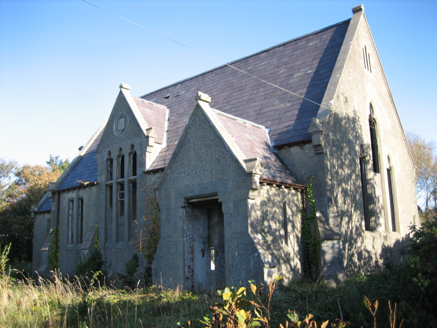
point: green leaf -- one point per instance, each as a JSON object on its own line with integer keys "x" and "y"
{"x": 254, "y": 324}
{"x": 241, "y": 315}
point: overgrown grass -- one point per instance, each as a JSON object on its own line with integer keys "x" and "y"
{"x": 59, "y": 302}
{"x": 62, "y": 303}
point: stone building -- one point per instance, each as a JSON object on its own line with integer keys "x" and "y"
{"x": 228, "y": 157}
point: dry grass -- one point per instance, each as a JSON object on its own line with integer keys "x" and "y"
{"x": 59, "y": 302}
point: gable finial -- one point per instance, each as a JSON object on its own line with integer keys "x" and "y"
{"x": 202, "y": 97}
{"x": 358, "y": 9}
{"x": 124, "y": 86}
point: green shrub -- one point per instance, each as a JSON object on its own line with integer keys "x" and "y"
{"x": 128, "y": 278}
{"x": 92, "y": 267}
{"x": 55, "y": 252}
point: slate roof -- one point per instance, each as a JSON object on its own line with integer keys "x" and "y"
{"x": 253, "y": 141}
{"x": 45, "y": 207}
{"x": 303, "y": 66}
{"x": 154, "y": 115}
{"x": 85, "y": 170}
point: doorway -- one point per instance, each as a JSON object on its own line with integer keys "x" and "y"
{"x": 207, "y": 245}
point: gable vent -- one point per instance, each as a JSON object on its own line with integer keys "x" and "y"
{"x": 366, "y": 58}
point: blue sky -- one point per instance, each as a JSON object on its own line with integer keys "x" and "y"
{"x": 61, "y": 62}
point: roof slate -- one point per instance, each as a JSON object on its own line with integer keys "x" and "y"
{"x": 85, "y": 170}
{"x": 253, "y": 141}
{"x": 154, "y": 115}
{"x": 45, "y": 207}
{"x": 303, "y": 66}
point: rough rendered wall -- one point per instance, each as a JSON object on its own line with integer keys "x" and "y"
{"x": 203, "y": 166}
{"x": 70, "y": 253}
{"x": 346, "y": 128}
{"x": 275, "y": 226}
{"x": 40, "y": 233}
{"x": 302, "y": 159}
{"x": 118, "y": 234}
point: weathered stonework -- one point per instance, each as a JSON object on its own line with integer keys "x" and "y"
{"x": 228, "y": 167}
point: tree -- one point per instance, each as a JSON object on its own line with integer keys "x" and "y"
{"x": 57, "y": 164}
{"x": 7, "y": 169}
{"x": 28, "y": 187}
{"x": 425, "y": 158}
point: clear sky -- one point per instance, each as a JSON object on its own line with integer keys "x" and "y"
{"x": 61, "y": 62}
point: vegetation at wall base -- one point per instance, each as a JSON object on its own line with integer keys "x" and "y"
{"x": 148, "y": 232}
{"x": 55, "y": 252}
{"x": 91, "y": 268}
{"x": 310, "y": 238}
{"x": 128, "y": 278}
{"x": 58, "y": 302}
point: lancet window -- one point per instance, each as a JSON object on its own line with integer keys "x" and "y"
{"x": 374, "y": 141}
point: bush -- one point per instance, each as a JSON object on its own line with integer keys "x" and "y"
{"x": 128, "y": 279}
{"x": 91, "y": 268}
{"x": 414, "y": 282}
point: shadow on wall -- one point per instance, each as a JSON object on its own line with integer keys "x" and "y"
{"x": 275, "y": 229}
{"x": 355, "y": 200}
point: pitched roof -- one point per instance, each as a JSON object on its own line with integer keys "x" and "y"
{"x": 303, "y": 66}
{"x": 46, "y": 206}
{"x": 253, "y": 141}
{"x": 155, "y": 116}
{"x": 85, "y": 170}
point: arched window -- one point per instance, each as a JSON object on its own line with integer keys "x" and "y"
{"x": 374, "y": 141}
{"x": 132, "y": 162}
{"x": 120, "y": 164}
{"x": 364, "y": 189}
{"x": 109, "y": 167}
{"x": 133, "y": 182}
{"x": 390, "y": 180}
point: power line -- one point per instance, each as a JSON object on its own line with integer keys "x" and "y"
{"x": 205, "y": 54}
{"x": 227, "y": 64}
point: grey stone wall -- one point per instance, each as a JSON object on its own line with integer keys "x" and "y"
{"x": 41, "y": 229}
{"x": 70, "y": 253}
{"x": 344, "y": 131}
{"x": 119, "y": 232}
{"x": 204, "y": 167}
{"x": 275, "y": 226}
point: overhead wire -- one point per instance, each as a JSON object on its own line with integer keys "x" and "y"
{"x": 224, "y": 63}
{"x": 207, "y": 55}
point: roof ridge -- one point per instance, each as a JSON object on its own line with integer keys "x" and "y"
{"x": 151, "y": 102}
{"x": 243, "y": 58}
{"x": 239, "y": 119}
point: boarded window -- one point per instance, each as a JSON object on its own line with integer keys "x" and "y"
{"x": 121, "y": 199}
{"x": 363, "y": 173}
{"x": 80, "y": 221}
{"x": 109, "y": 168}
{"x": 134, "y": 200}
{"x": 121, "y": 167}
{"x": 70, "y": 221}
{"x": 133, "y": 164}
{"x": 390, "y": 180}
{"x": 374, "y": 141}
